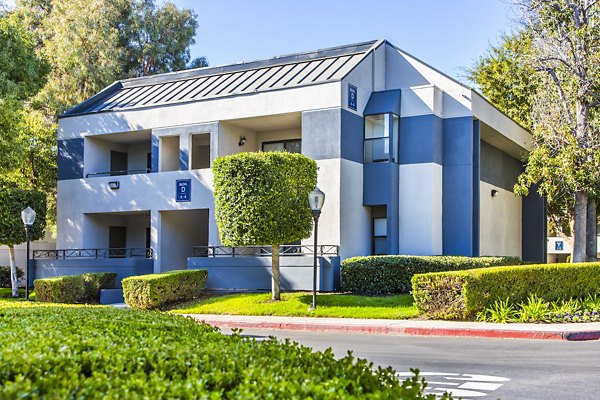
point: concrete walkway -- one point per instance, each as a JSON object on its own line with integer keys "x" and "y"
{"x": 579, "y": 331}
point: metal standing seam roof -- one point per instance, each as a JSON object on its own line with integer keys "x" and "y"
{"x": 212, "y": 82}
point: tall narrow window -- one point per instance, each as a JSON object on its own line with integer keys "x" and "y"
{"x": 378, "y": 131}
{"x": 379, "y": 236}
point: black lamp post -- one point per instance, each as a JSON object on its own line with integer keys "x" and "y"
{"x": 316, "y": 198}
{"x": 28, "y": 218}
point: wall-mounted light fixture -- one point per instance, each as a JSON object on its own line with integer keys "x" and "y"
{"x": 242, "y": 141}
{"x": 494, "y": 192}
{"x": 114, "y": 185}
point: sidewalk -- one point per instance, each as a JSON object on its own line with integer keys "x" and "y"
{"x": 580, "y": 331}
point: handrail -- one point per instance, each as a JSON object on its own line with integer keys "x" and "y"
{"x": 264, "y": 251}
{"x": 120, "y": 172}
{"x": 62, "y": 254}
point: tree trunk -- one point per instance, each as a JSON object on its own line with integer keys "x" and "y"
{"x": 14, "y": 279}
{"x": 275, "y": 272}
{"x": 591, "y": 238}
{"x": 579, "y": 227}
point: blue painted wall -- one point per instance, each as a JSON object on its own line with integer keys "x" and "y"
{"x": 383, "y": 102}
{"x": 458, "y": 192}
{"x": 70, "y": 159}
{"x": 381, "y": 188}
{"x": 421, "y": 139}
{"x": 476, "y": 184}
{"x": 352, "y": 136}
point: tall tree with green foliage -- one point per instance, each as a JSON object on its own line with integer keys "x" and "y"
{"x": 262, "y": 199}
{"x": 566, "y": 157}
{"x": 12, "y": 231}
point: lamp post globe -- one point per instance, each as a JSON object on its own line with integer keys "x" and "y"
{"x": 316, "y": 199}
{"x": 28, "y": 218}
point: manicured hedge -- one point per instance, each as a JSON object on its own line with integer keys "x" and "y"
{"x": 83, "y": 288}
{"x": 5, "y": 276}
{"x": 375, "y": 275}
{"x": 107, "y": 353}
{"x": 460, "y": 295}
{"x": 158, "y": 290}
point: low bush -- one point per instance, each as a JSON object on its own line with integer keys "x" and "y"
{"x": 107, "y": 353}
{"x": 158, "y": 290}
{"x": 83, "y": 288}
{"x": 462, "y": 294}
{"x": 536, "y": 309}
{"x": 375, "y": 275}
{"x": 5, "y": 276}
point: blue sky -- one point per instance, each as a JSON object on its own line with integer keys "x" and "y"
{"x": 448, "y": 34}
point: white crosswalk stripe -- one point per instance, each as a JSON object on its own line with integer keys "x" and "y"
{"x": 459, "y": 385}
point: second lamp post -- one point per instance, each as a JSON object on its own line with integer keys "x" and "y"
{"x": 316, "y": 198}
{"x": 28, "y": 218}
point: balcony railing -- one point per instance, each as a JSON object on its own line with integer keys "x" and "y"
{"x": 264, "y": 251}
{"x": 120, "y": 173}
{"x": 94, "y": 253}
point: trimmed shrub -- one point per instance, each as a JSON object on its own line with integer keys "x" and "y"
{"x": 5, "y": 276}
{"x": 158, "y": 290}
{"x": 375, "y": 275}
{"x": 108, "y": 353}
{"x": 462, "y": 294}
{"x": 73, "y": 289}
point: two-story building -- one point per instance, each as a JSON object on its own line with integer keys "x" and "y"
{"x": 411, "y": 161}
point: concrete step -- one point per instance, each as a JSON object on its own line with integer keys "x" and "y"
{"x": 111, "y": 296}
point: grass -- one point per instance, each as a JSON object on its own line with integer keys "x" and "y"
{"x": 297, "y": 304}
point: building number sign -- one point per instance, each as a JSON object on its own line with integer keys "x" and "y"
{"x": 183, "y": 190}
{"x": 352, "y": 97}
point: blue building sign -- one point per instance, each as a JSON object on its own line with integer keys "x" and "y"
{"x": 352, "y": 97}
{"x": 559, "y": 245}
{"x": 183, "y": 190}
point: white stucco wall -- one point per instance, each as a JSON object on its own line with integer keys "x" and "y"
{"x": 500, "y": 223}
{"x": 420, "y": 210}
{"x": 355, "y": 222}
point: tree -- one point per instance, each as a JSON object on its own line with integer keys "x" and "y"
{"x": 262, "y": 199}
{"x": 505, "y": 78}
{"x": 157, "y": 40}
{"x": 12, "y": 231}
{"x": 565, "y": 52}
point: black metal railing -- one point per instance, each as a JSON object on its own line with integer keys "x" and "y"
{"x": 263, "y": 251}
{"x": 120, "y": 173}
{"x": 63, "y": 254}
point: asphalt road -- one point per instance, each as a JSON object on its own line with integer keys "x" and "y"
{"x": 474, "y": 367}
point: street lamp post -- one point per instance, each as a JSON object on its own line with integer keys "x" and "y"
{"x": 28, "y": 218}
{"x": 316, "y": 198}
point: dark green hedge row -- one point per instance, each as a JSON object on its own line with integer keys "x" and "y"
{"x": 5, "y": 276}
{"x": 462, "y": 294}
{"x": 375, "y": 275}
{"x": 107, "y": 353}
{"x": 158, "y": 290}
{"x": 72, "y": 289}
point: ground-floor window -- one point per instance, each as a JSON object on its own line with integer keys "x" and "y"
{"x": 291, "y": 146}
{"x": 379, "y": 236}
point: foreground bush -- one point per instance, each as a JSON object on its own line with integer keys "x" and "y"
{"x": 392, "y": 274}
{"x": 107, "y": 353}
{"x": 5, "y": 276}
{"x": 462, "y": 294}
{"x": 72, "y": 289}
{"x": 157, "y": 290}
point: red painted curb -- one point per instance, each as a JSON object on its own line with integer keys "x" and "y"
{"x": 411, "y": 331}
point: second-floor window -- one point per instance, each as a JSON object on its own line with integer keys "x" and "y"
{"x": 291, "y": 146}
{"x": 381, "y": 138}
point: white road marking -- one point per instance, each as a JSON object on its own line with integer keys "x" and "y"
{"x": 459, "y": 385}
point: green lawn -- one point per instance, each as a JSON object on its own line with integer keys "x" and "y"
{"x": 296, "y": 305}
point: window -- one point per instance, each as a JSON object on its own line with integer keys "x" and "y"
{"x": 379, "y": 236}
{"x": 378, "y": 130}
{"x": 291, "y": 146}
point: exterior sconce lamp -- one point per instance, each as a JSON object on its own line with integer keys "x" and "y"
{"x": 494, "y": 192}
{"x": 28, "y": 218}
{"x": 242, "y": 141}
{"x": 114, "y": 185}
{"x": 316, "y": 198}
